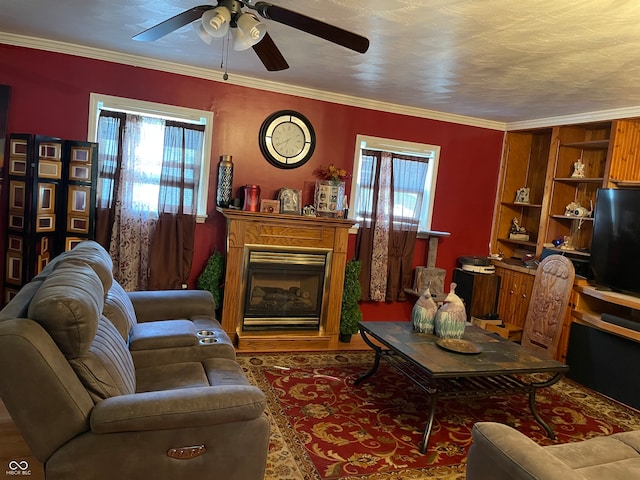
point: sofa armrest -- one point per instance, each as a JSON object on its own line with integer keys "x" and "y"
{"x": 184, "y": 408}
{"x": 500, "y": 452}
{"x": 155, "y": 305}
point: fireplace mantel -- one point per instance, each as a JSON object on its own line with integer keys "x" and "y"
{"x": 276, "y": 230}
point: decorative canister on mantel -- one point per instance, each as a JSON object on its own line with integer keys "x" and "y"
{"x": 225, "y": 181}
{"x": 330, "y": 191}
{"x": 251, "y": 198}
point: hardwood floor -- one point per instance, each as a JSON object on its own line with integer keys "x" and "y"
{"x": 13, "y": 448}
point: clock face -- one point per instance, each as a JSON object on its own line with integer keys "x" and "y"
{"x": 287, "y": 139}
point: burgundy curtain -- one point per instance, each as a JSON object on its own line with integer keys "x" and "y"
{"x": 171, "y": 250}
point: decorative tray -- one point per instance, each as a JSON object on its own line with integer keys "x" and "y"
{"x": 459, "y": 346}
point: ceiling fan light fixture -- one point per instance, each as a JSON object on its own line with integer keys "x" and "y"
{"x": 202, "y": 33}
{"x": 251, "y": 28}
{"x": 216, "y": 21}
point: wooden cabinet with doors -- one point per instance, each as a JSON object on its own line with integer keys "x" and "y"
{"x": 516, "y": 284}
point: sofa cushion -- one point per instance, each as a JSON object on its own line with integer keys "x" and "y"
{"x": 119, "y": 309}
{"x": 163, "y": 334}
{"x": 68, "y": 305}
{"x": 94, "y": 255}
{"x": 107, "y": 369}
{"x": 173, "y": 376}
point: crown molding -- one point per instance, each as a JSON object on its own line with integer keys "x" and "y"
{"x": 599, "y": 116}
{"x": 287, "y": 89}
{"x": 244, "y": 81}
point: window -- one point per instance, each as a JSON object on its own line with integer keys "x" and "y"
{"x": 415, "y": 169}
{"x": 156, "y": 124}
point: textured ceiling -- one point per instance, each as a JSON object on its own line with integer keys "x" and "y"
{"x": 499, "y": 60}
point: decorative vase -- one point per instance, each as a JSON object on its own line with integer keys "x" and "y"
{"x": 329, "y": 198}
{"x": 225, "y": 181}
{"x": 424, "y": 313}
{"x": 451, "y": 318}
{"x": 251, "y": 198}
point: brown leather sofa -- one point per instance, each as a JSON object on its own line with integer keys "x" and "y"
{"x": 107, "y": 384}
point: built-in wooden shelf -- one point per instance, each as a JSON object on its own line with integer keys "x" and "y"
{"x": 589, "y": 312}
{"x": 626, "y": 183}
{"x": 589, "y": 145}
{"x": 579, "y": 179}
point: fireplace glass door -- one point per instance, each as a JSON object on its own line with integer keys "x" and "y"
{"x": 284, "y": 290}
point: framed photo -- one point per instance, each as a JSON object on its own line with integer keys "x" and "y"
{"x": 45, "y": 223}
{"x": 50, "y": 151}
{"x": 16, "y": 221}
{"x": 17, "y": 166}
{"x": 17, "y": 195}
{"x": 49, "y": 169}
{"x": 46, "y": 197}
{"x": 79, "y": 172}
{"x": 43, "y": 260}
{"x": 290, "y": 200}
{"x": 81, "y": 154}
{"x": 14, "y": 267}
{"x": 19, "y": 148}
{"x": 71, "y": 242}
{"x": 78, "y": 200}
{"x": 78, "y": 224}
{"x": 270, "y": 206}
{"x": 15, "y": 243}
{"x": 9, "y": 294}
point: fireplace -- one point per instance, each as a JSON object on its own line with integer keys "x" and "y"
{"x": 285, "y": 288}
{"x": 319, "y": 245}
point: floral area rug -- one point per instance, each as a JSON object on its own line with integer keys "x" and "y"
{"x": 323, "y": 427}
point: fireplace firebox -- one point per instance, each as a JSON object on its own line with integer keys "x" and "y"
{"x": 285, "y": 289}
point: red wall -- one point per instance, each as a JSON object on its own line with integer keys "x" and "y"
{"x": 50, "y": 96}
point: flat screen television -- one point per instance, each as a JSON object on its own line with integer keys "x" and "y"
{"x": 615, "y": 245}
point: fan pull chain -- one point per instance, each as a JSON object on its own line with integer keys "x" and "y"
{"x": 225, "y": 56}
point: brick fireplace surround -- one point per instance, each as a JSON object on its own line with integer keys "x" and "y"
{"x": 251, "y": 230}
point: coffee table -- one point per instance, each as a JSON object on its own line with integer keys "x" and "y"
{"x": 500, "y": 368}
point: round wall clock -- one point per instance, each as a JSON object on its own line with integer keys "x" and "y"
{"x": 287, "y": 139}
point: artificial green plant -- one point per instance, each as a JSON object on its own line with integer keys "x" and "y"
{"x": 212, "y": 277}
{"x": 350, "y": 314}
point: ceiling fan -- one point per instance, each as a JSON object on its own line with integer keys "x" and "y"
{"x": 212, "y": 21}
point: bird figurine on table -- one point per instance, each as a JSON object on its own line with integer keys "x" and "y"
{"x": 424, "y": 313}
{"x": 451, "y": 318}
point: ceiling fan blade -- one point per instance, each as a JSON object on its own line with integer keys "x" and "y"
{"x": 173, "y": 23}
{"x": 311, "y": 25}
{"x": 269, "y": 54}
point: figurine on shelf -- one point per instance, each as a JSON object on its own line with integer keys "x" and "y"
{"x": 578, "y": 169}
{"x": 522, "y": 195}
{"x": 517, "y": 232}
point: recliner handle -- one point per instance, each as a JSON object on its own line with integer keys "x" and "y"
{"x": 186, "y": 453}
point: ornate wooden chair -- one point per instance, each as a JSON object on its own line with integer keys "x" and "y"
{"x": 549, "y": 299}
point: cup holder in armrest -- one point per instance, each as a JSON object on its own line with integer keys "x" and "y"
{"x": 206, "y": 333}
{"x": 208, "y": 340}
